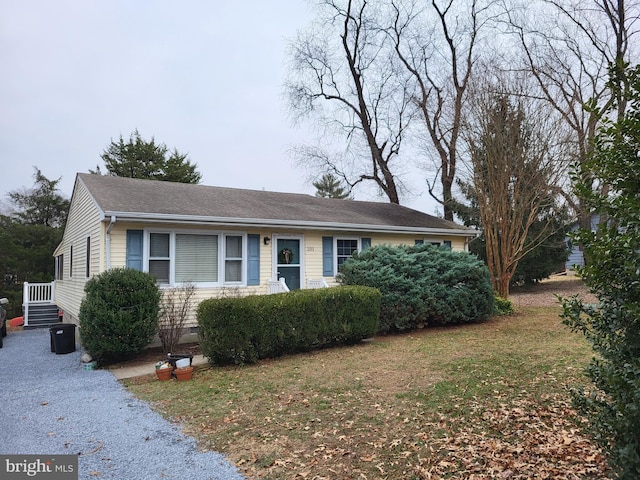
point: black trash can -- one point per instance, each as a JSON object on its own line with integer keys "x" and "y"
{"x": 52, "y": 329}
{"x": 64, "y": 337}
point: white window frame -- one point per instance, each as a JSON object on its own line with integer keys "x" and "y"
{"x": 242, "y": 258}
{"x": 87, "y": 260}
{"x": 222, "y": 235}
{"x": 147, "y": 253}
{"x": 59, "y": 261}
{"x": 437, "y": 242}
{"x": 335, "y": 249}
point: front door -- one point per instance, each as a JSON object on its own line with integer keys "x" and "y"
{"x": 288, "y": 261}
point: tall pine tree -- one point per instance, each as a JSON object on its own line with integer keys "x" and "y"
{"x": 139, "y": 158}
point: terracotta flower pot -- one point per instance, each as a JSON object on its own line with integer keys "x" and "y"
{"x": 183, "y": 374}
{"x": 163, "y": 373}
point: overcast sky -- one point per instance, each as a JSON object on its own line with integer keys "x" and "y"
{"x": 202, "y": 76}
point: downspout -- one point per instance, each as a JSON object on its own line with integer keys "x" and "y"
{"x": 108, "y": 240}
{"x": 468, "y": 240}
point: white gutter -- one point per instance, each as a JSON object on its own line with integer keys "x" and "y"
{"x": 266, "y": 223}
{"x": 108, "y": 241}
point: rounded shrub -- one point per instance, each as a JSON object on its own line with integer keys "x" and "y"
{"x": 422, "y": 285}
{"x": 119, "y": 314}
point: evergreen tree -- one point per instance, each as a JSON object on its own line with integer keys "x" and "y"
{"x": 139, "y": 158}
{"x": 330, "y": 187}
{"x": 29, "y": 237}
{"x": 41, "y": 205}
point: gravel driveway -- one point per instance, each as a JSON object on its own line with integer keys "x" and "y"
{"x": 50, "y": 405}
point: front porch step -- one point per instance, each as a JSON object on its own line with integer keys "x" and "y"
{"x": 42, "y": 316}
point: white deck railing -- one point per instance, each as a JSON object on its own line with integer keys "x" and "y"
{"x": 277, "y": 286}
{"x": 317, "y": 283}
{"x": 38, "y": 292}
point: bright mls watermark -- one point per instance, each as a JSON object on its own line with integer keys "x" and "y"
{"x": 47, "y": 467}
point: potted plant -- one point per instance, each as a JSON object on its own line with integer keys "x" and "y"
{"x": 163, "y": 371}
{"x": 183, "y": 374}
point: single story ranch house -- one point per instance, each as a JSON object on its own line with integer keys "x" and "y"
{"x": 225, "y": 238}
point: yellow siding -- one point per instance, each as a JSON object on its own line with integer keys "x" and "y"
{"x": 84, "y": 219}
{"x": 83, "y": 222}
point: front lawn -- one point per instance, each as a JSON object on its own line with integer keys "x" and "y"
{"x": 478, "y": 401}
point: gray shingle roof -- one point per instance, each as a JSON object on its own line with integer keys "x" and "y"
{"x": 136, "y": 198}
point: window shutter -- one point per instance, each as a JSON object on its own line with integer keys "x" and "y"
{"x": 134, "y": 249}
{"x": 327, "y": 256}
{"x": 253, "y": 259}
{"x": 365, "y": 243}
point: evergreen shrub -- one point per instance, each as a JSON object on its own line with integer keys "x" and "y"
{"x": 610, "y": 406}
{"x": 119, "y": 314}
{"x": 502, "y": 306}
{"x": 245, "y": 329}
{"x": 422, "y": 285}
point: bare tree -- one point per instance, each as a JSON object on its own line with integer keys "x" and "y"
{"x": 175, "y": 307}
{"x": 571, "y": 57}
{"x": 344, "y": 76}
{"x": 515, "y": 167}
{"x": 437, "y": 45}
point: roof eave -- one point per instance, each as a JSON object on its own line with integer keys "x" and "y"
{"x": 267, "y": 223}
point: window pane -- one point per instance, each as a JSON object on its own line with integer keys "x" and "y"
{"x": 347, "y": 247}
{"x": 196, "y": 258}
{"x": 234, "y": 247}
{"x": 233, "y": 271}
{"x": 160, "y": 270}
{"x": 159, "y": 245}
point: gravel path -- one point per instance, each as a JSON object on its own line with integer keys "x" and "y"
{"x": 50, "y": 405}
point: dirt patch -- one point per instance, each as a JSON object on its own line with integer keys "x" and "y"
{"x": 544, "y": 294}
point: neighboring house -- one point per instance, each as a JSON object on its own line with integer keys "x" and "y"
{"x": 224, "y": 238}
{"x": 576, "y": 255}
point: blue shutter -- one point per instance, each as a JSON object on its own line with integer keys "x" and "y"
{"x": 134, "y": 249}
{"x": 365, "y": 243}
{"x": 327, "y": 256}
{"x": 253, "y": 259}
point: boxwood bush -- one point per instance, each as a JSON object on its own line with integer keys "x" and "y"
{"x": 246, "y": 329}
{"x": 422, "y": 285}
{"x": 119, "y": 314}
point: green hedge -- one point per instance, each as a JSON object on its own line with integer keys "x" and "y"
{"x": 244, "y": 330}
{"x": 422, "y": 285}
{"x": 119, "y": 314}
